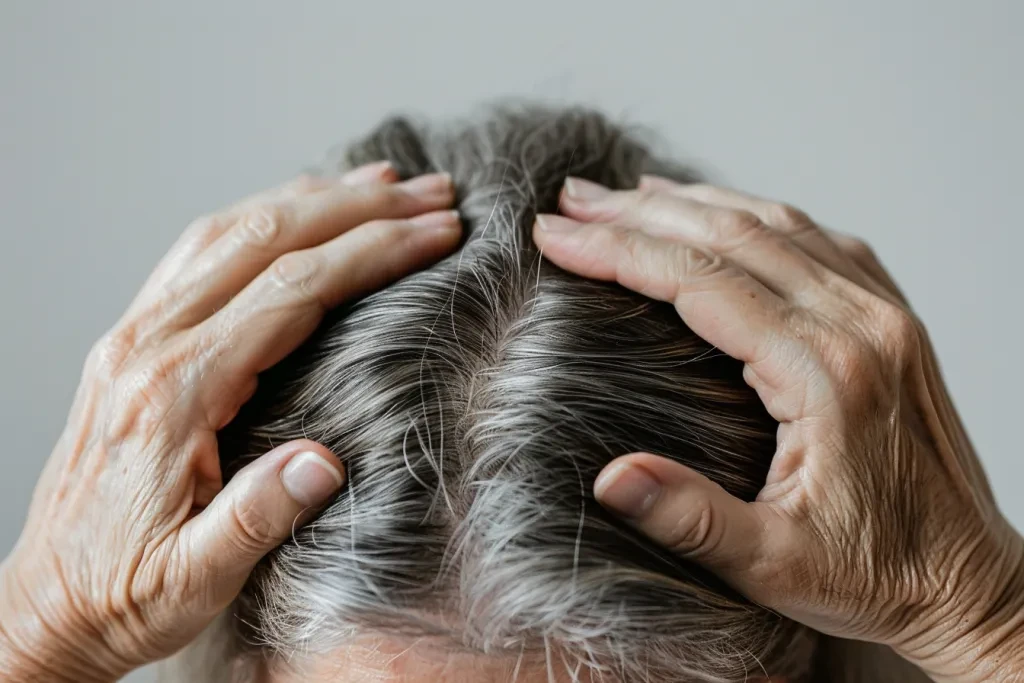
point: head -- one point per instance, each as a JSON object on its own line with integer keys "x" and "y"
{"x": 474, "y": 404}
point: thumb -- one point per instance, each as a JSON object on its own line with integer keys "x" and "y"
{"x": 259, "y": 509}
{"x": 689, "y": 514}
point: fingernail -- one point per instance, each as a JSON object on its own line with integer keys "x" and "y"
{"x": 367, "y": 173}
{"x": 427, "y": 185}
{"x": 578, "y": 188}
{"x": 437, "y": 219}
{"x": 550, "y": 222}
{"x": 309, "y": 479}
{"x": 627, "y": 489}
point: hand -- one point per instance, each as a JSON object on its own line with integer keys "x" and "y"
{"x": 132, "y": 543}
{"x": 876, "y": 521}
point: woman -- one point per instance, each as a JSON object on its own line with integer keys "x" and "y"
{"x": 873, "y": 521}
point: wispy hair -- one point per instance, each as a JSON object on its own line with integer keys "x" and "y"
{"x": 473, "y": 404}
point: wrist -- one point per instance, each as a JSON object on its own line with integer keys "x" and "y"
{"x": 975, "y": 632}
{"x": 34, "y": 648}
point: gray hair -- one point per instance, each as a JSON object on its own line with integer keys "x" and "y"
{"x": 474, "y": 403}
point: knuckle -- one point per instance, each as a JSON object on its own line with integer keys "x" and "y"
{"x": 743, "y": 222}
{"x": 635, "y": 263}
{"x": 788, "y": 218}
{"x": 860, "y": 249}
{"x": 305, "y": 184}
{"x": 110, "y": 351}
{"x": 900, "y": 330}
{"x": 701, "y": 192}
{"x": 151, "y": 381}
{"x": 698, "y": 262}
{"x": 646, "y": 200}
{"x": 259, "y": 225}
{"x": 145, "y": 395}
{"x": 254, "y": 529}
{"x": 382, "y": 239}
{"x": 630, "y": 241}
{"x": 294, "y": 272}
{"x": 734, "y": 225}
{"x": 202, "y": 231}
{"x": 694, "y": 533}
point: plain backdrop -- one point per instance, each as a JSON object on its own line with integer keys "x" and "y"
{"x": 120, "y": 121}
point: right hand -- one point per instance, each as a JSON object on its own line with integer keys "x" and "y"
{"x": 876, "y": 521}
{"x": 134, "y": 541}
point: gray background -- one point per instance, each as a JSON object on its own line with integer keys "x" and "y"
{"x": 120, "y": 121}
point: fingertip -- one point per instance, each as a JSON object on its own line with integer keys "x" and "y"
{"x": 433, "y": 188}
{"x": 588, "y": 201}
{"x": 259, "y": 509}
{"x": 666, "y": 470}
{"x": 687, "y": 513}
{"x": 434, "y": 235}
{"x": 591, "y": 250}
{"x": 581, "y": 190}
{"x": 638, "y": 478}
{"x": 444, "y": 219}
{"x": 612, "y": 470}
{"x": 548, "y": 224}
{"x": 310, "y": 478}
{"x": 377, "y": 171}
{"x": 628, "y": 488}
{"x": 293, "y": 449}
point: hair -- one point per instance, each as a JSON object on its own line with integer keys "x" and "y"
{"x": 473, "y": 404}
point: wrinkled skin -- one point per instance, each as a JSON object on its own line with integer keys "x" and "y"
{"x": 132, "y": 543}
{"x": 876, "y": 521}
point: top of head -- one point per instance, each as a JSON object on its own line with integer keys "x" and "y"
{"x": 474, "y": 403}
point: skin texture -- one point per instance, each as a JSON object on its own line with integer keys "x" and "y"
{"x": 876, "y": 522}
{"x": 378, "y": 659}
{"x": 132, "y": 543}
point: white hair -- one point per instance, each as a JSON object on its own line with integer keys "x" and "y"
{"x": 474, "y": 403}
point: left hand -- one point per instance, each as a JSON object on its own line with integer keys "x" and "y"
{"x": 876, "y": 521}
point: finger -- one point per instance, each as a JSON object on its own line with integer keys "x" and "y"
{"x": 204, "y": 231}
{"x": 265, "y": 233}
{"x": 308, "y": 183}
{"x": 283, "y": 306}
{"x": 258, "y": 509}
{"x": 738, "y": 235}
{"x": 376, "y": 173}
{"x": 861, "y": 253}
{"x": 790, "y": 221}
{"x": 689, "y": 514}
{"x": 721, "y": 303}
